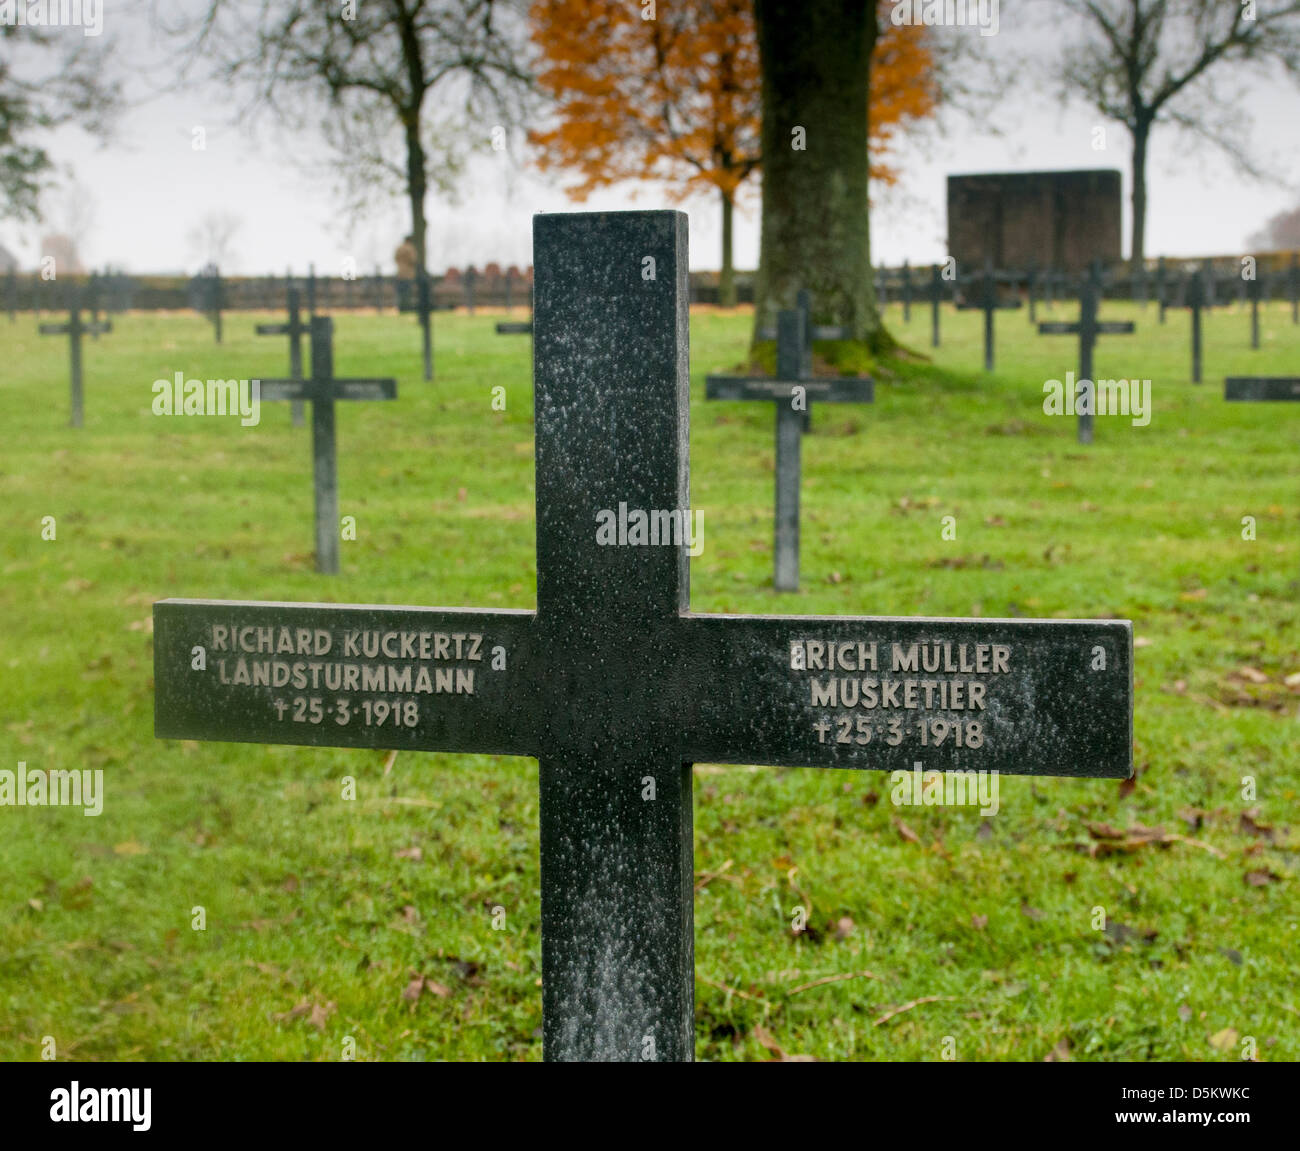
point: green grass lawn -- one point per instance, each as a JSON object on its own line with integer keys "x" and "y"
{"x": 321, "y": 913}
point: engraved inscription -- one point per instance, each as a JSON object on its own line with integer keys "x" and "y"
{"x": 855, "y": 708}
{"x": 398, "y": 665}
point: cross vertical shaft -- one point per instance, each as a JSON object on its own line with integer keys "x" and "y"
{"x": 610, "y": 363}
{"x": 324, "y": 468}
{"x": 789, "y": 342}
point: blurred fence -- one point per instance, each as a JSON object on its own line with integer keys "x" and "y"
{"x": 117, "y": 292}
{"x": 1277, "y": 275}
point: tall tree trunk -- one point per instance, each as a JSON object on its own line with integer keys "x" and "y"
{"x": 417, "y": 187}
{"x": 1137, "y": 249}
{"x": 727, "y": 280}
{"x": 815, "y": 57}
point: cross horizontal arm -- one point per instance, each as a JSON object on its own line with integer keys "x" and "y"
{"x": 1022, "y": 697}
{"x": 55, "y": 329}
{"x": 1265, "y": 388}
{"x": 331, "y": 389}
{"x": 275, "y": 329}
{"x": 1058, "y": 328}
{"x": 513, "y": 328}
{"x": 1009, "y": 305}
{"x": 1115, "y": 328}
{"x": 357, "y": 675}
{"x": 823, "y": 389}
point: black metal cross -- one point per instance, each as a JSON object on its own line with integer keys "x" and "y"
{"x": 515, "y": 327}
{"x": 295, "y": 329}
{"x": 1262, "y": 389}
{"x": 613, "y": 684}
{"x": 1088, "y": 328}
{"x": 988, "y": 303}
{"x": 322, "y": 389}
{"x": 791, "y": 390}
{"x": 74, "y": 329}
{"x": 811, "y": 332}
{"x": 1193, "y": 297}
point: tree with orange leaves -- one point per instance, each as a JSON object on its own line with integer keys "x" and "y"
{"x": 675, "y": 96}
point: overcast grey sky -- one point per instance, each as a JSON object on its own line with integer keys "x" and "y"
{"x": 148, "y": 187}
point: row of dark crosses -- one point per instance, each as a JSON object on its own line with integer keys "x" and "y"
{"x": 792, "y": 390}
{"x": 1087, "y": 328}
{"x": 294, "y": 329}
{"x": 322, "y": 389}
{"x": 74, "y": 328}
{"x": 613, "y": 684}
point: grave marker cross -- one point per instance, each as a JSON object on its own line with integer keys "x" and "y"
{"x": 614, "y": 684}
{"x": 988, "y": 304}
{"x": 1088, "y": 328}
{"x": 791, "y": 381}
{"x": 74, "y": 329}
{"x": 294, "y": 329}
{"x": 811, "y": 332}
{"x": 1262, "y": 389}
{"x": 322, "y": 389}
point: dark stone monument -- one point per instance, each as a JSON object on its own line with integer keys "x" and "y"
{"x": 793, "y": 385}
{"x": 1061, "y": 219}
{"x": 1088, "y": 328}
{"x": 295, "y": 329}
{"x": 322, "y": 389}
{"x": 74, "y": 329}
{"x": 614, "y": 685}
{"x": 988, "y": 303}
